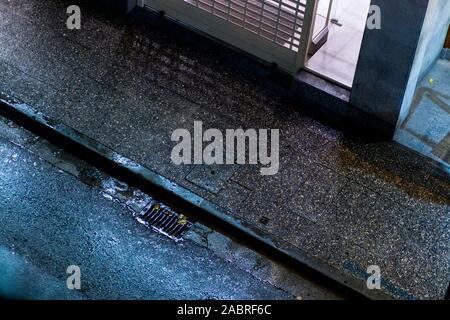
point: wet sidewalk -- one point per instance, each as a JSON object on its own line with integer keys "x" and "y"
{"x": 427, "y": 127}
{"x": 343, "y": 201}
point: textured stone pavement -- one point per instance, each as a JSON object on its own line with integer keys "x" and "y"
{"x": 346, "y": 201}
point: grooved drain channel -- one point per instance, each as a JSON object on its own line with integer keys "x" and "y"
{"x": 165, "y": 221}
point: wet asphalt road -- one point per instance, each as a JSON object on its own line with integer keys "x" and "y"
{"x": 50, "y": 220}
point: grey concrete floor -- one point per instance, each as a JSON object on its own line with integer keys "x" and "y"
{"x": 345, "y": 201}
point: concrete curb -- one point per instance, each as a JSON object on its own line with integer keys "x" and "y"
{"x": 178, "y": 197}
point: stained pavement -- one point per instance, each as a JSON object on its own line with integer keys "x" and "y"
{"x": 346, "y": 201}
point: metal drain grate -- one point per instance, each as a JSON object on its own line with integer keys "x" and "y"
{"x": 165, "y": 221}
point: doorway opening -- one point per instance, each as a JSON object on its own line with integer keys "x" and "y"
{"x": 336, "y": 39}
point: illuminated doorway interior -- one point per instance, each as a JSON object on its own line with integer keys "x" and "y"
{"x": 336, "y": 39}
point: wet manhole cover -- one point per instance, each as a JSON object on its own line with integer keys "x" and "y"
{"x": 165, "y": 221}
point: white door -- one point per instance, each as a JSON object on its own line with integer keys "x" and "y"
{"x": 276, "y": 31}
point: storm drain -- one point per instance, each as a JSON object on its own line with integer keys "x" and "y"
{"x": 165, "y": 221}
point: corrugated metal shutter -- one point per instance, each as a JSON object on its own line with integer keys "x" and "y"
{"x": 274, "y": 30}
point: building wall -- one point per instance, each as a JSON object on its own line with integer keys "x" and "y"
{"x": 386, "y": 60}
{"x": 394, "y": 59}
{"x": 429, "y": 49}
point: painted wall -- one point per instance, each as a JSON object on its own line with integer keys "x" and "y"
{"x": 386, "y": 60}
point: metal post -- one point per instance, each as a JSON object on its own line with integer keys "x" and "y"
{"x": 306, "y": 34}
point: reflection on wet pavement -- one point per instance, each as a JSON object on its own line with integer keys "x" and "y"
{"x": 427, "y": 127}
